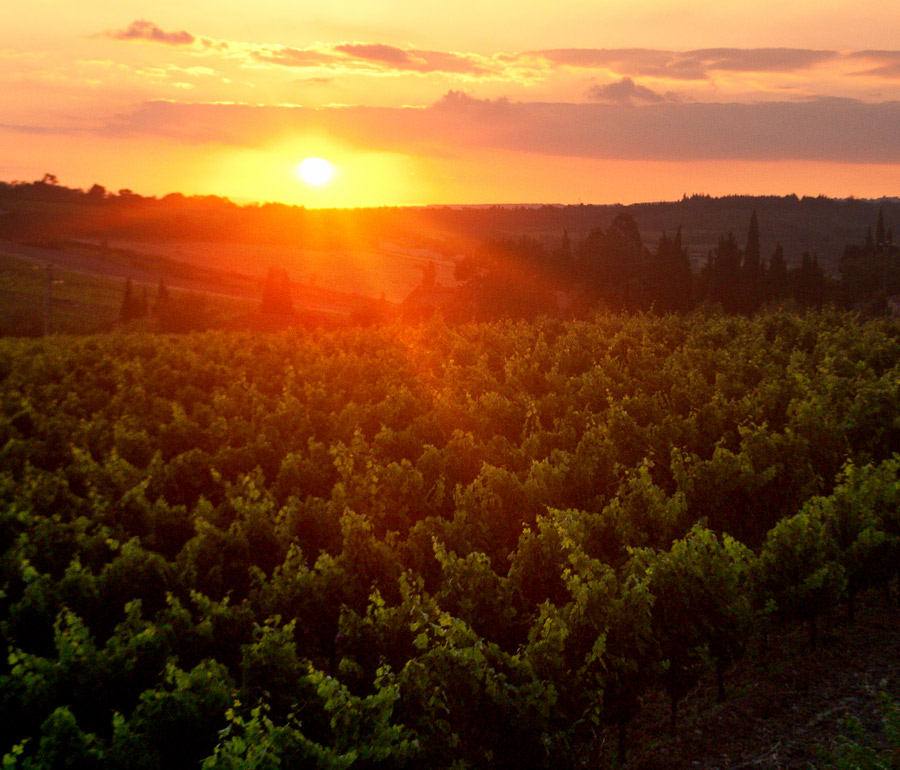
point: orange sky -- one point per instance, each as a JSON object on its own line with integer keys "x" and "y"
{"x": 464, "y": 102}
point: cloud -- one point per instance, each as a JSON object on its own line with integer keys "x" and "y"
{"x": 308, "y": 58}
{"x": 688, "y": 65}
{"x": 530, "y": 67}
{"x": 758, "y": 59}
{"x": 461, "y": 102}
{"x": 626, "y": 91}
{"x": 147, "y": 30}
{"x": 375, "y": 58}
{"x": 372, "y": 58}
{"x": 377, "y": 52}
{"x": 19, "y": 128}
{"x": 886, "y": 63}
{"x": 842, "y": 130}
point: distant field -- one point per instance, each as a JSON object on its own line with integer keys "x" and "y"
{"x": 81, "y": 302}
{"x": 364, "y": 269}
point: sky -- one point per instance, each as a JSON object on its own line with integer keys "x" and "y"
{"x": 413, "y": 102}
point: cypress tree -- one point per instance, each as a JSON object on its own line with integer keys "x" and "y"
{"x": 276, "y": 298}
{"x": 142, "y": 303}
{"x": 809, "y": 288}
{"x": 161, "y": 305}
{"x": 751, "y": 271}
{"x": 751, "y": 252}
{"x": 670, "y": 276}
{"x": 777, "y": 282}
{"x": 683, "y": 280}
{"x": 726, "y": 274}
{"x": 129, "y": 307}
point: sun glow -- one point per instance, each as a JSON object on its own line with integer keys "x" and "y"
{"x": 315, "y": 171}
{"x": 272, "y": 173}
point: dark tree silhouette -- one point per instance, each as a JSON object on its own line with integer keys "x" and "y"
{"x": 809, "y": 282}
{"x": 162, "y": 297}
{"x": 777, "y": 282}
{"x": 613, "y": 264}
{"x": 563, "y": 262}
{"x": 131, "y": 306}
{"x": 725, "y": 274}
{"x": 276, "y": 299}
{"x": 142, "y": 303}
{"x": 670, "y": 278}
{"x": 751, "y": 269}
{"x": 507, "y": 279}
{"x": 870, "y": 273}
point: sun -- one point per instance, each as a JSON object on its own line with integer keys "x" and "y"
{"x": 315, "y": 171}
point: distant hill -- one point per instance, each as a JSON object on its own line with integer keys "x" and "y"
{"x": 45, "y": 209}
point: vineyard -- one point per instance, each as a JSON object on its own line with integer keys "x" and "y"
{"x": 426, "y": 546}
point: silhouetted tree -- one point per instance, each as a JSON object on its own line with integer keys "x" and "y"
{"x": 809, "y": 282}
{"x": 565, "y": 246}
{"x": 751, "y": 269}
{"x": 869, "y": 245}
{"x": 871, "y": 273}
{"x": 131, "y": 307}
{"x": 276, "y": 299}
{"x": 670, "y": 277}
{"x": 725, "y": 275}
{"x": 507, "y": 279}
{"x": 563, "y": 262}
{"x": 162, "y": 297}
{"x": 142, "y": 303}
{"x": 777, "y": 284}
{"x": 96, "y": 194}
{"x": 612, "y": 265}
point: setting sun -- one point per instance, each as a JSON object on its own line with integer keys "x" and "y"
{"x": 315, "y": 171}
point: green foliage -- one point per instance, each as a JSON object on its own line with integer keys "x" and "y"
{"x": 860, "y": 749}
{"x": 701, "y": 603}
{"x": 423, "y": 546}
{"x": 62, "y": 745}
{"x": 799, "y": 574}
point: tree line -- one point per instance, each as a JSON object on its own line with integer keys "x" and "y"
{"x": 613, "y": 269}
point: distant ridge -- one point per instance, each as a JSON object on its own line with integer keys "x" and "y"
{"x": 819, "y": 225}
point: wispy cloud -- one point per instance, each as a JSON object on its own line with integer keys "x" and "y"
{"x": 376, "y": 58}
{"x": 688, "y": 65}
{"x": 147, "y": 30}
{"x": 416, "y": 60}
{"x": 688, "y": 68}
{"x": 620, "y": 76}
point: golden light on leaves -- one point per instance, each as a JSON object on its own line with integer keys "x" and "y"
{"x": 315, "y": 171}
